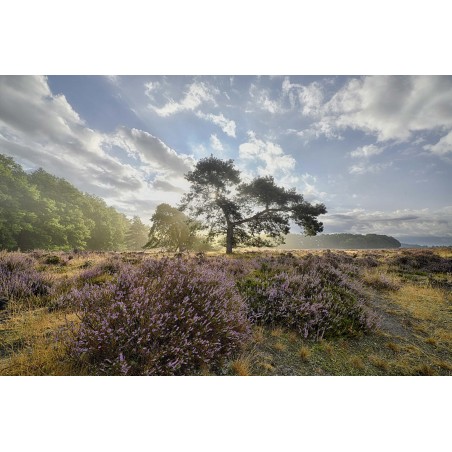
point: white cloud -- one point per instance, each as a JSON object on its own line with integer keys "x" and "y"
{"x": 309, "y": 98}
{"x": 150, "y": 88}
{"x": 363, "y": 168}
{"x": 152, "y": 150}
{"x": 392, "y": 107}
{"x": 228, "y": 126}
{"x": 443, "y": 146}
{"x": 271, "y": 155}
{"x": 366, "y": 151}
{"x": 388, "y": 107}
{"x": 196, "y": 94}
{"x": 261, "y": 99}
{"x": 38, "y": 128}
{"x": 307, "y": 184}
{"x": 402, "y": 222}
{"x": 215, "y": 143}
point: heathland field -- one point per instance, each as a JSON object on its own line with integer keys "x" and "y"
{"x": 374, "y": 312}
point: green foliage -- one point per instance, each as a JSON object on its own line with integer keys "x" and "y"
{"x": 315, "y": 297}
{"x": 137, "y": 234}
{"x": 41, "y": 211}
{"x": 173, "y": 230}
{"x": 17, "y": 201}
{"x": 251, "y": 214}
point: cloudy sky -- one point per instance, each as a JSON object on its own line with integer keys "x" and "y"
{"x": 377, "y": 150}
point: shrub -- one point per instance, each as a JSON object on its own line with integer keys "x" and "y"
{"x": 422, "y": 260}
{"x": 310, "y": 296}
{"x": 167, "y": 317}
{"x": 18, "y": 277}
{"x": 55, "y": 259}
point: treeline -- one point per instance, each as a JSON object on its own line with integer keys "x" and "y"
{"x": 340, "y": 241}
{"x": 41, "y": 211}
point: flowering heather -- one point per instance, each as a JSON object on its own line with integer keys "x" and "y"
{"x": 18, "y": 277}
{"x": 314, "y": 296}
{"x": 422, "y": 260}
{"x": 163, "y": 317}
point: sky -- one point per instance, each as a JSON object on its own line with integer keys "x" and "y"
{"x": 376, "y": 150}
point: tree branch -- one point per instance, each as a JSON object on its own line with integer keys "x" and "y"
{"x": 260, "y": 214}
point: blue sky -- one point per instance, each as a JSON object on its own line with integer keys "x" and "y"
{"x": 377, "y": 150}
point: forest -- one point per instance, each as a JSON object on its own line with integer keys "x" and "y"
{"x": 41, "y": 211}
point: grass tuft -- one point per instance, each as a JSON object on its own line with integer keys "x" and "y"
{"x": 304, "y": 353}
{"x": 241, "y": 367}
{"x": 379, "y": 362}
{"x": 393, "y": 346}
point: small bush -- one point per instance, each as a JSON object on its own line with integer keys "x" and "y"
{"x": 167, "y": 317}
{"x": 18, "y": 277}
{"x": 304, "y": 353}
{"x": 422, "y": 260}
{"x": 311, "y": 296}
{"x": 54, "y": 259}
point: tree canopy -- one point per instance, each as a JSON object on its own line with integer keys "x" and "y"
{"x": 137, "y": 235}
{"x": 39, "y": 210}
{"x": 173, "y": 230}
{"x": 257, "y": 213}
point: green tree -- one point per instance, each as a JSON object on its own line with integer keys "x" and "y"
{"x": 110, "y": 226}
{"x": 173, "y": 230}
{"x": 60, "y": 223}
{"x": 39, "y": 210}
{"x": 16, "y": 195}
{"x": 137, "y": 235}
{"x": 254, "y": 214}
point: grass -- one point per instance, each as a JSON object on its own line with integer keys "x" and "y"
{"x": 414, "y": 336}
{"x": 304, "y": 353}
{"x": 241, "y": 366}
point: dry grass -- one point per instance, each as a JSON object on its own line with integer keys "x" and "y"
{"x": 277, "y": 332}
{"x": 326, "y": 347}
{"x": 393, "y": 346}
{"x": 267, "y": 366}
{"x": 304, "y": 353}
{"x": 30, "y": 345}
{"x": 430, "y": 310}
{"x": 444, "y": 252}
{"x": 377, "y": 361}
{"x": 280, "y": 346}
{"x": 426, "y": 370}
{"x": 357, "y": 362}
{"x": 380, "y": 280}
{"x": 241, "y": 366}
{"x": 258, "y": 335}
{"x": 443, "y": 365}
{"x": 422, "y": 303}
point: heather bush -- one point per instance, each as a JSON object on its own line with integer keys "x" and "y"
{"x": 313, "y": 296}
{"x": 102, "y": 272}
{"x": 164, "y": 317}
{"x": 18, "y": 277}
{"x": 55, "y": 259}
{"x": 422, "y": 260}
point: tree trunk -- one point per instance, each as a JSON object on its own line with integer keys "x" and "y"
{"x": 229, "y": 236}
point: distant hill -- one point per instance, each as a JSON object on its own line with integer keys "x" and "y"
{"x": 340, "y": 241}
{"x": 426, "y": 240}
